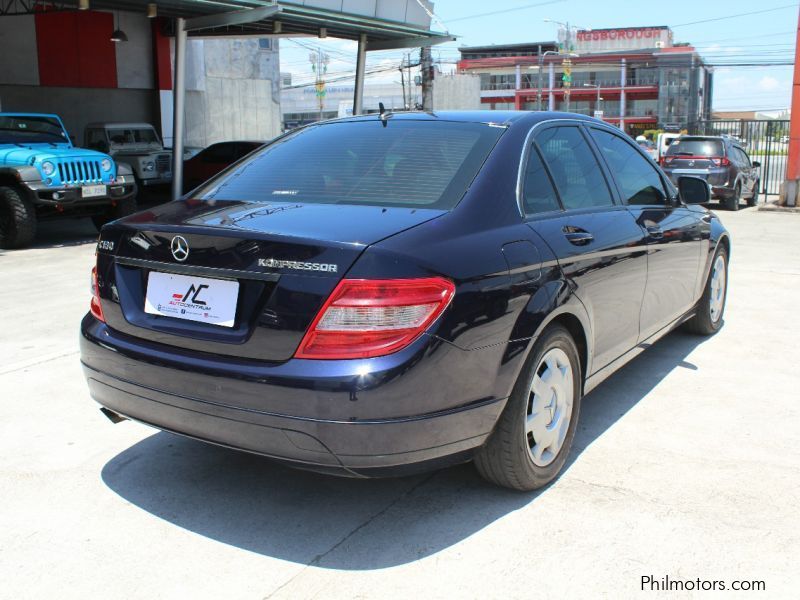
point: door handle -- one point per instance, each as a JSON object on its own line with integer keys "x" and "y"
{"x": 578, "y": 236}
{"x": 655, "y": 232}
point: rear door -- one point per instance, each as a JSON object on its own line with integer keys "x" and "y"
{"x": 672, "y": 233}
{"x": 570, "y": 204}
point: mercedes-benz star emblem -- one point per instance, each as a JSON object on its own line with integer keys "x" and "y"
{"x": 180, "y": 248}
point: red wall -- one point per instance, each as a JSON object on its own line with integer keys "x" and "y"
{"x": 75, "y": 49}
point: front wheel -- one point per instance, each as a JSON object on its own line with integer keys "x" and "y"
{"x": 708, "y": 318}
{"x": 17, "y": 218}
{"x": 122, "y": 208}
{"x": 533, "y": 436}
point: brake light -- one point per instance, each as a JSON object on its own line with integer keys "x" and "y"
{"x": 722, "y": 161}
{"x": 364, "y": 318}
{"x": 94, "y": 304}
{"x": 665, "y": 160}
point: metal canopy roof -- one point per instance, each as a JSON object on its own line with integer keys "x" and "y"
{"x": 219, "y": 18}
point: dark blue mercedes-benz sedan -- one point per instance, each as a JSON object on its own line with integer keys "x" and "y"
{"x": 384, "y": 294}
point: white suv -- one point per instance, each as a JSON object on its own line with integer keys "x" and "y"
{"x": 136, "y": 144}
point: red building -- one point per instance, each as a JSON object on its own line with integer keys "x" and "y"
{"x": 636, "y": 78}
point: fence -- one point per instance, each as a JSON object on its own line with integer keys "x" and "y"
{"x": 766, "y": 141}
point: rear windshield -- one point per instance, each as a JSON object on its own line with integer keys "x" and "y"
{"x": 406, "y": 163}
{"x": 696, "y": 147}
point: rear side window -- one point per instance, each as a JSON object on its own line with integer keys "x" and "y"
{"x": 638, "y": 180}
{"x": 405, "y": 163}
{"x": 576, "y": 173}
{"x": 692, "y": 146}
{"x": 538, "y": 193}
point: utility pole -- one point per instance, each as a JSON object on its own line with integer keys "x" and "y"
{"x": 426, "y": 77}
{"x": 791, "y": 187}
{"x": 319, "y": 64}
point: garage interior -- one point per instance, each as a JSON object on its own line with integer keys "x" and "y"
{"x": 107, "y": 61}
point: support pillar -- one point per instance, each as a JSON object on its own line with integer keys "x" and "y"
{"x": 623, "y": 74}
{"x": 178, "y": 106}
{"x": 790, "y": 191}
{"x": 551, "y": 99}
{"x": 361, "y": 59}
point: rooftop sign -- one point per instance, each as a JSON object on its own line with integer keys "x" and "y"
{"x": 590, "y": 41}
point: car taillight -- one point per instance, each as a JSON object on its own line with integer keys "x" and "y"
{"x": 364, "y": 318}
{"x": 721, "y": 161}
{"x": 666, "y": 160}
{"x": 94, "y": 304}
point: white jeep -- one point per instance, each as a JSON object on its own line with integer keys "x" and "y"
{"x": 136, "y": 144}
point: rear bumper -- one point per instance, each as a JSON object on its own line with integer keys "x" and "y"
{"x": 146, "y": 390}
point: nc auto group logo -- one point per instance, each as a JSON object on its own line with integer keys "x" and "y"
{"x": 191, "y": 299}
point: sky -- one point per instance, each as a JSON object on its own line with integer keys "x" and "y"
{"x": 731, "y": 31}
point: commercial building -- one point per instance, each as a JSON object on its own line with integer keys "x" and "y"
{"x": 637, "y": 78}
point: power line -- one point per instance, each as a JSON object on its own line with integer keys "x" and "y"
{"x": 507, "y": 10}
{"x": 747, "y": 14}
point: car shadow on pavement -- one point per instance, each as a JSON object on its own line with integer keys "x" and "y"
{"x": 252, "y": 503}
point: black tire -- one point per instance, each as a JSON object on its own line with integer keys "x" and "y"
{"x": 123, "y": 208}
{"x": 17, "y": 218}
{"x": 506, "y": 458}
{"x": 732, "y": 203}
{"x": 753, "y": 200}
{"x": 704, "y": 322}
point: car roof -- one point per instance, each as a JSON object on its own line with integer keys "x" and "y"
{"x": 493, "y": 117}
{"x": 24, "y": 114}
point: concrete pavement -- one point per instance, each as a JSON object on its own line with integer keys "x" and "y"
{"x": 687, "y": 465}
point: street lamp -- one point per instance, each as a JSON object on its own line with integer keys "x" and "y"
{"x": 541, "y": 68}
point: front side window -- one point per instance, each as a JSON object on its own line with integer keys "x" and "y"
{"x": 636, "y": 177}
{"x": 404, "y": 163}
{"x": 577, "y": 175}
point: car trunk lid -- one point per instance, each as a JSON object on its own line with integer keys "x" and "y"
{"x": 280, "y": 262}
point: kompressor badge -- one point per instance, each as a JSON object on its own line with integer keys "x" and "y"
{"x": 297, "y": 265}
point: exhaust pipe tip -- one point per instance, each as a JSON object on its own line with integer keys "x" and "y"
{"x": 112, "y": 416}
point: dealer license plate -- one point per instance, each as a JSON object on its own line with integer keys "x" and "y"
{"x": 192, "y": 298}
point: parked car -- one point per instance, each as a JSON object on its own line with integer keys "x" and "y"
{"x": 210, "y": 161}
{"x": 136, "y": 144}
{"x": 663, "y": 142}
{"x": 43, "y": 176}
{"x": 721, "y": 161}
{"x": 386, "y": 294}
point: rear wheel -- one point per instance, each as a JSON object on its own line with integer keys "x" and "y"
{"x": 17, "y": 218}
{"x": 708, "y": 318}
{"x": 532, "y": 439}
{"x": 753, "y": 200}
{"x": 122, "y": 208}
{"x": 732, "y": 203}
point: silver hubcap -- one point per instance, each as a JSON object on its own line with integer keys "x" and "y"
{"x": 549, "y": 407}
{"x": 717, "y": 299}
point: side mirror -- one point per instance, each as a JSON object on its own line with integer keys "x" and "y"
{"x": 756, "y": 163}
{"x": 694, "y": 190}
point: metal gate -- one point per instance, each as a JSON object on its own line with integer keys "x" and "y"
{"x": 766, "y": 141}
